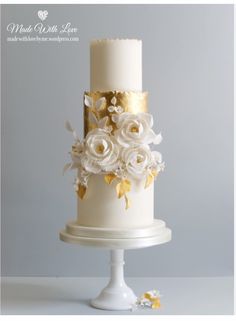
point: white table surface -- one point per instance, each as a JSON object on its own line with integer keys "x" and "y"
{"x": 72, "y": 295}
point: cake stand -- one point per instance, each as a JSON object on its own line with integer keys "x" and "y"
{"x": 116, "y": 295}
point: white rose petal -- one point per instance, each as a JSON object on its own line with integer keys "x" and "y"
{"x": 150, "y": 137}
{"x": 101, "y": 152}
{"x": 137, "y": 160}
{"x": 120, "y": 118}
{"x": 90, "y": 165}
{"x": 134, "y": 129}
{"x": 148, "y": 118}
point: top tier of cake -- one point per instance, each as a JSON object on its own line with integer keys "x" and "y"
{"x": 116, "y": 64}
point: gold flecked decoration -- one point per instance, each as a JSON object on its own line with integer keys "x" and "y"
{"x": 127, "y": 101}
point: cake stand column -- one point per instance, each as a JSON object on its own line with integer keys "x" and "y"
{"x": 116, "y": 295}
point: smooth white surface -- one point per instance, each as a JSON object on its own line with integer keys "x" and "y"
{"x": 102, "y": 208}
{"x": 72, "y": 295}
{"x": 154, "y": 229}
{"x": 116, "y": 295}
{"x": 116, "y": 65}
{"x": 118, "y": 243}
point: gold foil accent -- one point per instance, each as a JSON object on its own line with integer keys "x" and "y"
{"x": 130, "y": 101}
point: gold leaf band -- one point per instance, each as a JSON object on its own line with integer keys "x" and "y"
{"x": 129, "y": 101}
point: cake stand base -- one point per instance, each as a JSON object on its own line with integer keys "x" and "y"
{"x": 156, "y": 233}
{"x": 116, "y": 295}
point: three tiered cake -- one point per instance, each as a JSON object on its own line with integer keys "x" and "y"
{"x": 115, "y": 164}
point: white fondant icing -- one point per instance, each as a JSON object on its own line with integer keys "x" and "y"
{"x": 102, "y": 208}
{"x": 116, "y": 65}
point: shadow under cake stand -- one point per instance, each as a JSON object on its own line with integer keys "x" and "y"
{"x": 116, "y": 295}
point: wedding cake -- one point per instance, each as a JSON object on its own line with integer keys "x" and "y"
{"x": 115, "y": 161}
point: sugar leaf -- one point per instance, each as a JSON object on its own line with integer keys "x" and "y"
{"x": 93, "y": 118}
{"x": 123, "y": 187}
{"x": 102, "y": 122}
{"x": 99, "y": 103}
{"x": 127, "y": 202}
{"x": 68, "y": 126}
{"x": 81, "y": 191}
{"x": 109, "y": 178}
{"x": 150, "y": 178}
{"x": 88, "y": 101}
{"x": 113, "y": 100}
{"x": 66, "y": 167}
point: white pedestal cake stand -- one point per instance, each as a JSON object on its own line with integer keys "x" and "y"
{"x": 116, "y": 295}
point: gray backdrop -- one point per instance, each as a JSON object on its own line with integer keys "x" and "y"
{"x": 188, "y": 71}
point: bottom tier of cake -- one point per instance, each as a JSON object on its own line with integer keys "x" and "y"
{"x": 102, "y": 208}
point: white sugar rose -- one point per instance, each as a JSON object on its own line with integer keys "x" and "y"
{"x": 101, "y": 152}
{"x": 137, "y": 160}
{"x": 135, "y": 129}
